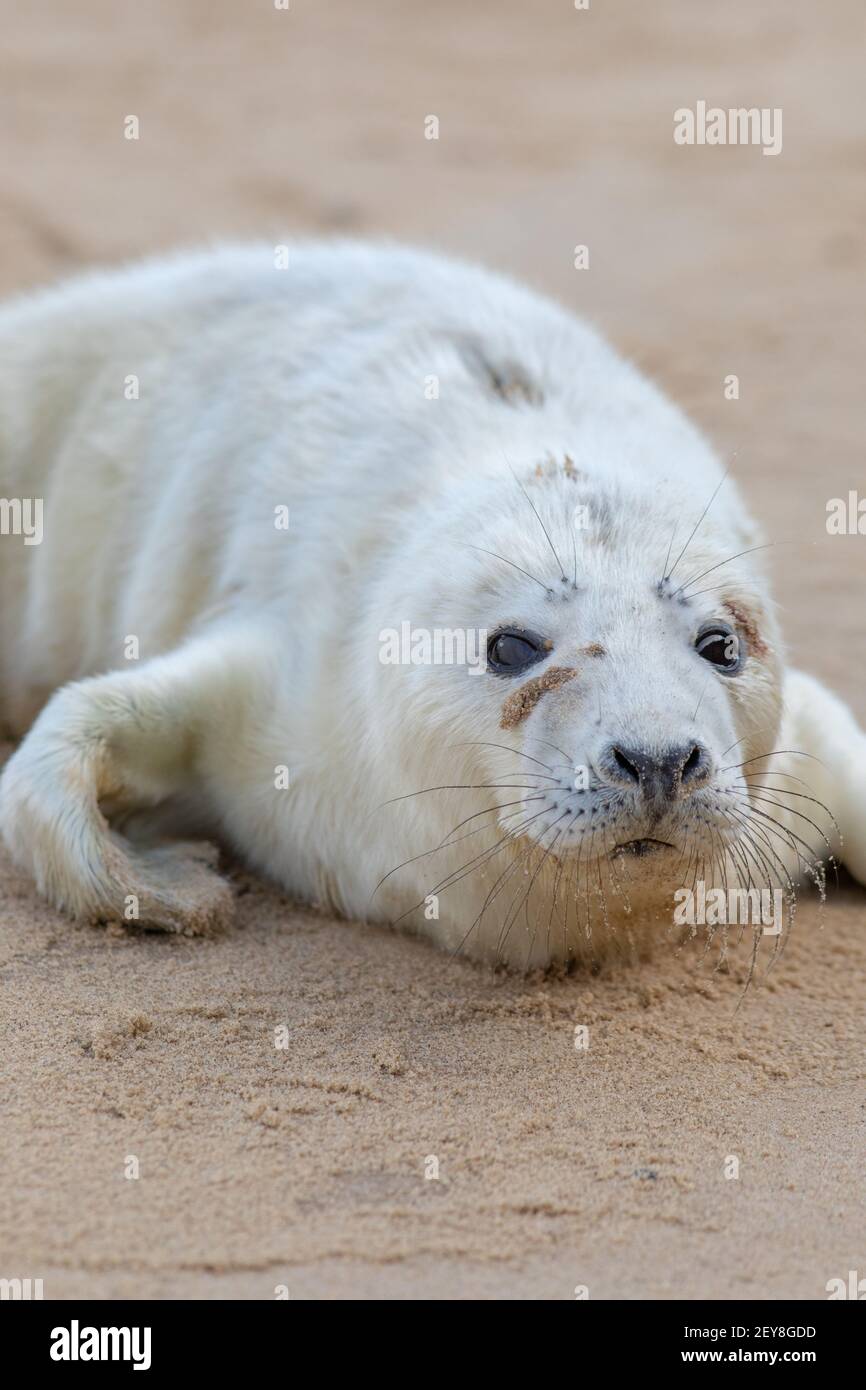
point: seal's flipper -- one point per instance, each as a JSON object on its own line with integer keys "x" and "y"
{"x": 128, "y": 739}
{"x": 814, "y": 784}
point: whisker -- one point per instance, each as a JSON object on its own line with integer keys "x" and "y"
{"x": 768, "y": 545}
{"x": 792, "y": 811}
{"x": 748, "y": 778}
{"x": 547, "y": 852}
{"x": 459, "y": 787}
{"x": 493, "y": 894}
{"x": 703, "y": 693}
{"x": 786, "y": 791}
{"x": 756, "y": 938}
{"x": 502, "y": 806}
{"x": 538, "y": 519}
{"x": 525, "y": 898}
{"x": 484, "y": 743}
{"x": 573, "y": 884}
{"x": 569, "y": 762}
{"x": 786, "y": 830}
{"x": 447, "y": 843}
{"x": 791, "y": 893}
{"x": 668, "y": 556}
{"x": 530, "y": 786}
{"x": 776, "y": 753}
{"x": 765, "y": 730}
{"x": 752, "y": 828}
{"x": 716, "y": 491}
{"x": 747, "y": 856}
{"x": 546, "y": 587}
{"x": 457, "y": 875}
{"x": 560, "y": 865}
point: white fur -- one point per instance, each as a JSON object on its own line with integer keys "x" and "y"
{"x": 259, "y": 648}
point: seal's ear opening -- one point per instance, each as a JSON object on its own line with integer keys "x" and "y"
{"x": 504, "y": 377}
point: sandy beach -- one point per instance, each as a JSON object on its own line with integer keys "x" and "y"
{"x": 307, "y": 1166}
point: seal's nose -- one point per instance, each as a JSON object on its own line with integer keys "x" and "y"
{"x": 661, "y": 775}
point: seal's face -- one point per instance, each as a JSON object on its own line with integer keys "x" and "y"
{"x": 609, "y": 749}
{"x": 635, "y": 708}
{"x": 638, "y": 689}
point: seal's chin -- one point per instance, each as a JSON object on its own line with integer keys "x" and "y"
{"x": 640, "y": 848}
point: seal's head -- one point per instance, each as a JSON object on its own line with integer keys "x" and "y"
{"x": 645, "y": 681}
{"x": 632, "y": 676}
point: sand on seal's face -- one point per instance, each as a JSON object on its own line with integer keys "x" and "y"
{"x": 522, "y": 702}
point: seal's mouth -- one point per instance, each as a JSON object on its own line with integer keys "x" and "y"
{"x": 639, "y": 848}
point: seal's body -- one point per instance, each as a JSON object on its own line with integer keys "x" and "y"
{"x": 394, "y": 577}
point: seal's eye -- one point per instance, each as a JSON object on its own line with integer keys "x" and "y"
{"x": 719, "y": 644}
{"x": 509, "y": 652}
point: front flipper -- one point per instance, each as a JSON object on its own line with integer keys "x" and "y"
{"x": 815, "y": 786}
{"x": 130, "y": 739}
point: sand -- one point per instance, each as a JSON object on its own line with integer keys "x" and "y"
{"x": 306, "y": 1165}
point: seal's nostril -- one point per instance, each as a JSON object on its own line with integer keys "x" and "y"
{"x": 625, "y": 765}
{"x": 692, "y": 761}
{"x": 660, "y": 774}
{"x": 694, "y": 765}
